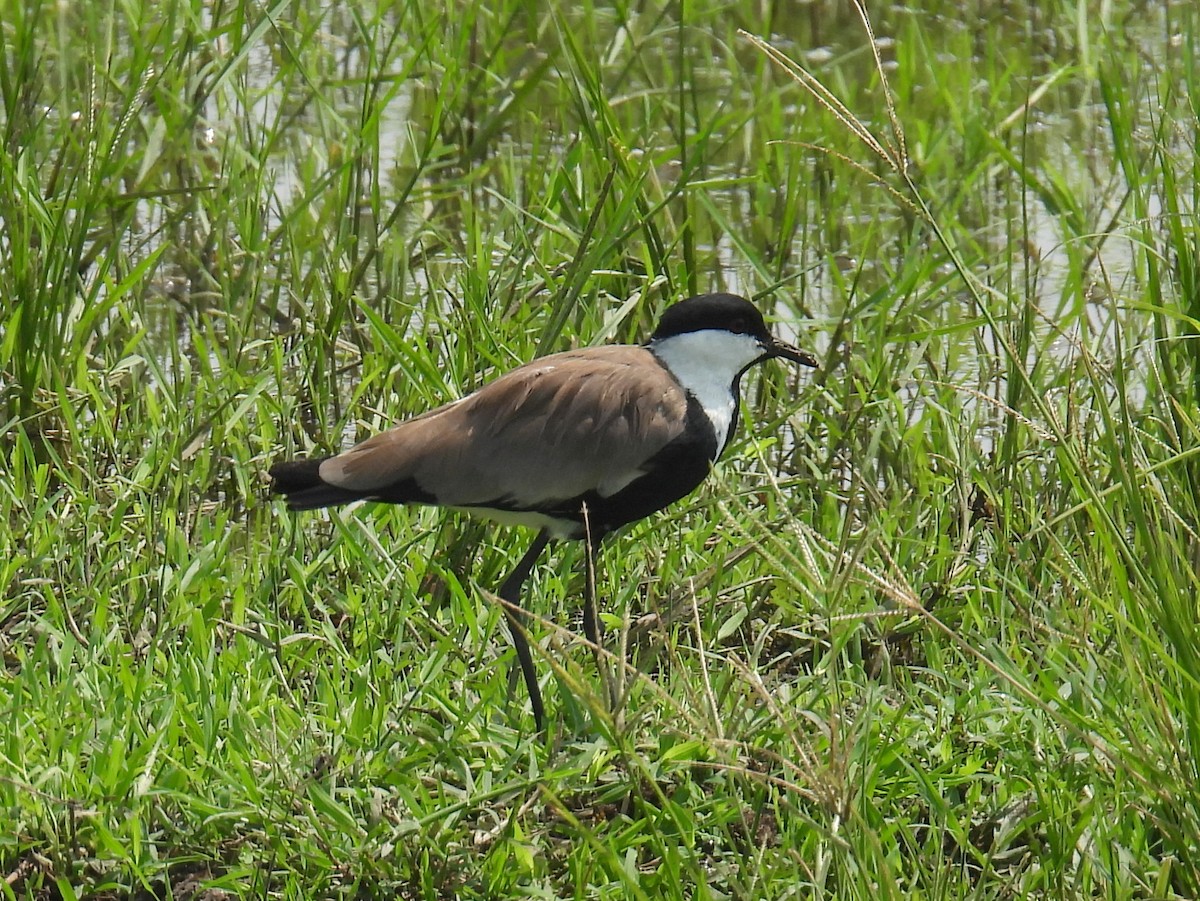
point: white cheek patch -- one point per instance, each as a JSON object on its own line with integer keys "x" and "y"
{"x": 706, "y": 363}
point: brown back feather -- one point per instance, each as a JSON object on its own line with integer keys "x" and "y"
{"x": 550, "y": 430}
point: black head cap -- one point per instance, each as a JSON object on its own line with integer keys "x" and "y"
{"x": 726, "y": 312}
{"x": 730, "y": 313}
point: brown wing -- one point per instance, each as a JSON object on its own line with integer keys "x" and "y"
{"x": 548, "y": 431}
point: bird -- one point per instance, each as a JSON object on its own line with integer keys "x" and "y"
{"x": 575, "y": 444}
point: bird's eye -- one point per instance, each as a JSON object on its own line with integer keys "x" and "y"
{"x": 739, "y": 326}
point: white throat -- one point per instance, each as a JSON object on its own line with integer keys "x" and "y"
{"x": 706, "y": 363}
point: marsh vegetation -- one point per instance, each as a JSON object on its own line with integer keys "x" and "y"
{"x": 930, "y": 630}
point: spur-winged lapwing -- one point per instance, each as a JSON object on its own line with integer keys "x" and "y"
{"x": 575, "y": 444}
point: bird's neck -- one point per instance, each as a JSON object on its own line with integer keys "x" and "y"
{"x": 708, "y": 364}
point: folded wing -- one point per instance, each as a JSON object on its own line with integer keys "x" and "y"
{"x": 551, "y": 430}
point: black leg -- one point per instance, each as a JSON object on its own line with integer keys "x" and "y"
{"x": 592, "y": 627}
{"x": 510, "y": 593}
{"x": 591, "y": 546}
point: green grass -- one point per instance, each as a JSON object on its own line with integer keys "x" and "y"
{"x": 930, "y": 631}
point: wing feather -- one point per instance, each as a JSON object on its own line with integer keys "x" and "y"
{"x": 551, "y": 430}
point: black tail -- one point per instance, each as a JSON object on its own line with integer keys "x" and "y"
{"x": 299, "y": 481}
